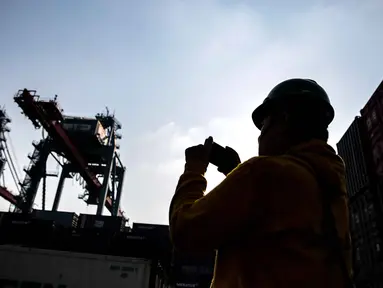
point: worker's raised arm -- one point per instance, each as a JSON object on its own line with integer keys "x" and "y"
{"x": 199, "y": 222}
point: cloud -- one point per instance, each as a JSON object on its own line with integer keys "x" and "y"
{"x": 162, "y": 159}
{"x": 239, "y": 74}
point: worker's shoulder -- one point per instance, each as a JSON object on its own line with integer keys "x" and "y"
{"x": 275, "y": 163}
{"x": 272, "y": 161}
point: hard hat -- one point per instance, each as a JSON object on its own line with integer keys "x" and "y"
{"x": 306, "y": 90}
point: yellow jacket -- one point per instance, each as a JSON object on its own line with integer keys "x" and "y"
{"x": 265, "y": 220}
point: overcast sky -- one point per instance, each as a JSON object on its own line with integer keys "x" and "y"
{"x": 176, "y": 72}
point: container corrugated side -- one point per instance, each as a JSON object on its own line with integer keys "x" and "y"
{"x": 9, "y": 218}
{"x": 160, "y": 283}
{"x": 352, "y": 148}
{"x": 64, "y": 219}
{"x": 374, "y": 105}
{"x": 71, "y": 270}
{"x": 372, "y": 114}
{"x": 190, "y": 269}
{"x": 187, "y": 285}
{"x": 152, "y": 229}
{"x": 110, "y": 223}
{"x": 366, "y": 232}
{"x": 375, "y": 135}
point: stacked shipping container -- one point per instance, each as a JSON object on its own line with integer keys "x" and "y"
{"x": 105, "y": 223}
{"x": 96, "y": 238}
{"x": 62, "y": 219}
{"x": 192, "y": 271}
{"x": 187, "y": 270}
{"x": 361, "y": 148}
{"x": 372, "y": 114}
{"x": 352, "y": 148}
{"x": 78, "y": 254}
{"x": 30, "y": 267}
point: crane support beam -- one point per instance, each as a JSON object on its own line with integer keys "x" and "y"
{"x": 109, "y": 206}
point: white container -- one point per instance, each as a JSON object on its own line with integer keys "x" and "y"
{"x": 61, "y": 269}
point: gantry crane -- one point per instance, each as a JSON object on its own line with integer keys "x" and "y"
{"x": 48, "y": 115}
{"x": 86, "y": 162}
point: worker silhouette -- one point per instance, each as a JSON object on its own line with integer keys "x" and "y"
{"x": 279, "y": 219}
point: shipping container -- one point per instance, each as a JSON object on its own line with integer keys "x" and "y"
{"x": 372, "y": 115}
{"x": 186, "y": 284}
{"x": 353, "y": 148}
{"x": 61, "y": 219}
{"x": 106, "y": 223}
{"x": 366, "y": 233}
{"x": 187, "y": 270}
{"x": 151, "y": 229}
{"x": 193, "y": 269}
{"x": 376, "y": 142}
{"x": 365, "y": 227}
{"x": 157, "y": 234}
{"x": 373, "y": 111}
{"x": 95, "y": 241}
{"x": 161, "y": 283}
{"x": 30, "y": 267}
{"x": 23, "y": 229}
{"x": 9, "y": 219}
{"x": 201, "y": 280}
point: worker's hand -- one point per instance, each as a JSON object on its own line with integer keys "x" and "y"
{"x": 231, "y": 161}
{"x": 197, "y": 157}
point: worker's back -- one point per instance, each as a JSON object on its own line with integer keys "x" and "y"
{"x": 283, "y": 246}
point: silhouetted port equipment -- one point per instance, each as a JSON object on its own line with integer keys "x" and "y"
{"x": 88, "y": 146}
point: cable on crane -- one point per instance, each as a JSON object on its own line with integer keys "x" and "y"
{"x": 13, "y": 176}
{"x": 11, "y": 165}
{"x": 12, "y": 149}
{"x": 44, "y": 188}
{"x": 10, "y": 159}
{"x": 12, "y": 168}
{"x": 3, "y": 177}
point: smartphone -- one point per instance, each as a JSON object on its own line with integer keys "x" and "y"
{"x": 217, "y": 155}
